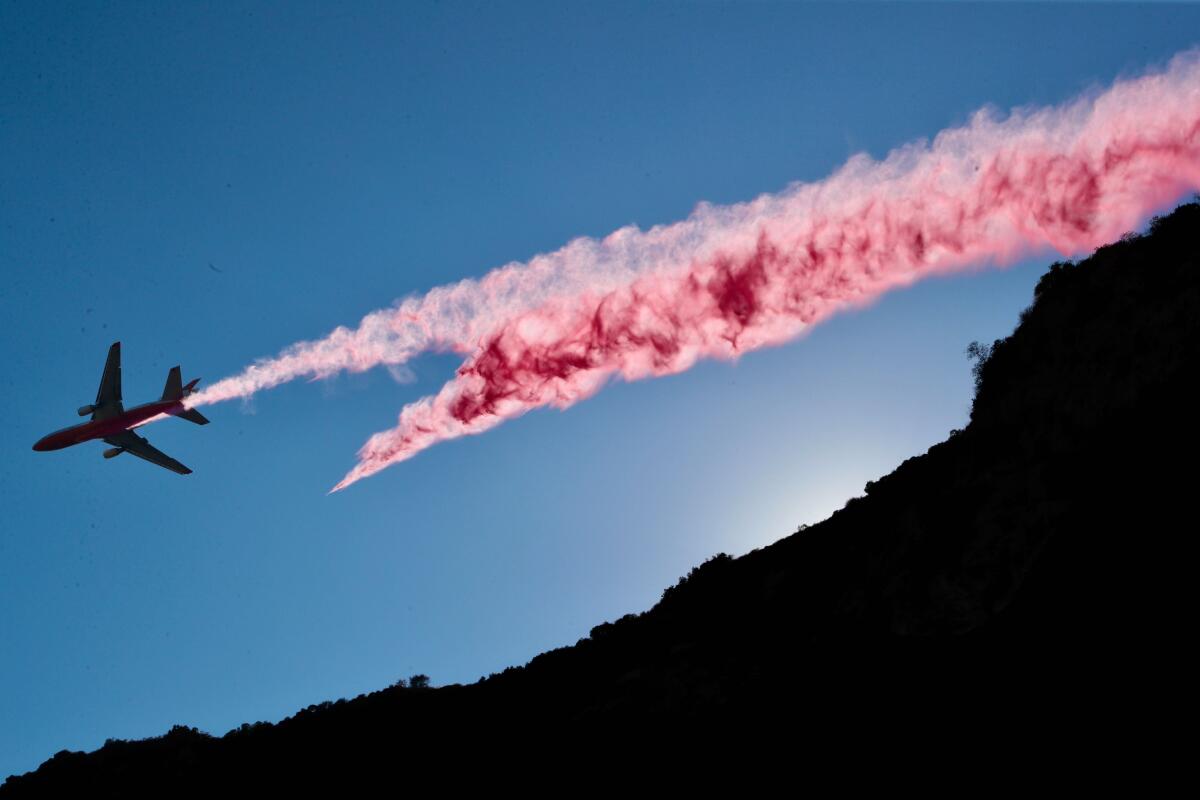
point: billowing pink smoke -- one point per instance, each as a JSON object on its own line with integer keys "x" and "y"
{"x": 728, "y": 280}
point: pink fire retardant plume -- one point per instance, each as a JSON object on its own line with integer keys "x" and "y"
{"x": 733, "y": 279}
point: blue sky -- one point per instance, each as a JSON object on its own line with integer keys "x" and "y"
{"x": 328, "y": 159}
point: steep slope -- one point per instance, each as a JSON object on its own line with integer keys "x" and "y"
{"x": 1034, "y": 567}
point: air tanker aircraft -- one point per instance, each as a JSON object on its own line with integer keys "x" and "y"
{"x": 114, "y": 424}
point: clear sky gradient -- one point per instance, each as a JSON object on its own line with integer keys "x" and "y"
{"x": 209, "y": 183}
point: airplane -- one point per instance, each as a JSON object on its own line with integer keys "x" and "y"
{"x": 113, "y": 423}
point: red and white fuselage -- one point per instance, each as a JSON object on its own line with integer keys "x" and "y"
{"x": 104, "y": 428}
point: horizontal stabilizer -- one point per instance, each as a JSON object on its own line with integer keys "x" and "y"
{"x": 192, "y": 415}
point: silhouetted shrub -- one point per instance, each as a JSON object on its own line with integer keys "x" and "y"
{"x": 1053, "y": 276}
{"x": 979, "y": 353}
{"x": 709, "y": 567}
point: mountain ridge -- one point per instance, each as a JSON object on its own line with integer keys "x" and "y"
{"x": 1023, "y": 566}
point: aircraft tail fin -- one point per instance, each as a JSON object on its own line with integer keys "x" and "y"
{"x": 174, "y": 388}
{"x": 192, "y": 415}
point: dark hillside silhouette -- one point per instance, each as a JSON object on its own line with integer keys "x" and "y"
{"x": 1031, "y": 573}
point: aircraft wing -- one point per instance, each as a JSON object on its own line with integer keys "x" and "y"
{"x": 136, "y": 445}
{"x": 108, "y": 397}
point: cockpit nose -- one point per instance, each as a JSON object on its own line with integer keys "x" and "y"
{"x": 42, "y": 445}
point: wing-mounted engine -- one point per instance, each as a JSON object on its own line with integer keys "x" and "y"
{"x": 85, "y": 410}
{"x": 113, "y": 452}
